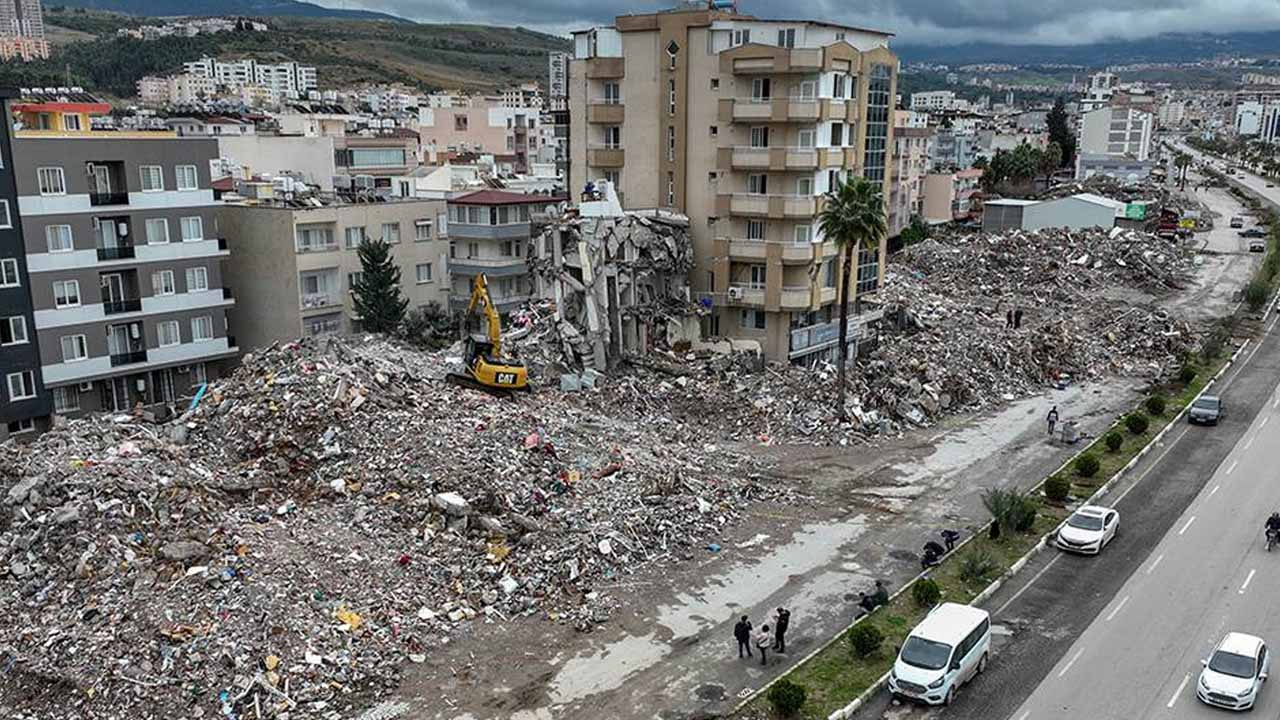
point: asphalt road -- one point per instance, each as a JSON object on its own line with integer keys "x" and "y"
{"x": 1057, "y": 655}
{"x": 1245, "y": 178}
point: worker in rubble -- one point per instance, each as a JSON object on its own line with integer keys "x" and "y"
{"x": 1052, "y": 418}
{"x": 742, "y": 633}
{"x": 1017, "y": 318}
{"x": 933, "y": 553}
{"x": 950, "y": 537}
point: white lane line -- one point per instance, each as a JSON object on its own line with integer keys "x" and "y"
{"x": 1181, "y": 686}
{"x": 1154, "y": 464}
{"x": 1025, "y": 715}
{"x": 1248, "y": 443}
{"x": 1264, "y": 422}
{"x": 1072, "y": 662}
{"x": 1189, "y": 521}
{"x": 1000, "y": 610}
{"x": 1214, "y": 490}
{"x": 1154, "y": 564}
{"x": 1112, "y": 614}
{"x": 1247, "y": 580}
{"x": 1234, "y": 463}
{"x": 1276, "y": 403}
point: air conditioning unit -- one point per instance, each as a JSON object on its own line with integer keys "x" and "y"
{"x": 184, "y": 368}
{"x": 86, "y": 386}
{"x": 735, "y": 293}
{"x": 122, "y": 229}
{"x": 134, "y": 331}
{"x": 141, "y": 385}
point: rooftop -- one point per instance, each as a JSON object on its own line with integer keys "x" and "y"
{"x": 499, "y": 197}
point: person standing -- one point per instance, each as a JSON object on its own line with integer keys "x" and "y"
{"x": 742, "y": 633}
{"x": 1052, "y": 418}
{"x": 763, "y": 641}
{"x": 950, "y": 537}
{"x": 782, "y": 622}
{"x": 1017, "y": 318}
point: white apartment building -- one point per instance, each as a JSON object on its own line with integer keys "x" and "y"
{"x": 933, "y": 101}
{"x": 288, "y": 79}
{"x": 558, "y": 80}
{"x": 525, "y": 95}
{"x": 1101, "y": 87}
{"x": 1117, "y": 131}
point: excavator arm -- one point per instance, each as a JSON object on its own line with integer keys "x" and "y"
{"x": 486, "y": 368}
{"x": 480, "y": 298}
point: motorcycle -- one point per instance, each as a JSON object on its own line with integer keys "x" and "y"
{"x": 1273, "y": 536}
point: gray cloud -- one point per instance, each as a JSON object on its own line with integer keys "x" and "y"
{"x": 928, "y": 21}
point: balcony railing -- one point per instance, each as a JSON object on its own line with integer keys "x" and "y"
{"x": 318, "y": 300}
{"x": 129, "y": 358}
{"x": 115, "y": 307}
{"x": 98, "y": 199}
{"x": 119, "y": 252}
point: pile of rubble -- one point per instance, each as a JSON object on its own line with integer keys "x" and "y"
{"x": 1150, "y": 189}
{"x": 323, "y": 516}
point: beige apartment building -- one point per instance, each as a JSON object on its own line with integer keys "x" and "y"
{"x": 743, "y": 125}
{"x": 300, "y": 263}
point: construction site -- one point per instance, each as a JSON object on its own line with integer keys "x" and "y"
{"x": 336, "y": 531}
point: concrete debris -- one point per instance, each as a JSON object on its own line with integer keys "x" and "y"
{"x": 300, "y": 547}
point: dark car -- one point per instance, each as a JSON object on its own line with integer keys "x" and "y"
{"x": 1253, "y": 232}
{"x": 1207, "y": 409}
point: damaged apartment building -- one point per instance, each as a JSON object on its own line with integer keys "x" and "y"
{"x": 742, "y": 125}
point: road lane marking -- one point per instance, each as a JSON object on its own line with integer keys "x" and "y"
{"x": 1234, "y": 463}
{"x": 1154, "y": 564}
{"x": 1030, "y": 582}
{"x": 1181, "y": 686}
{"x": 1154, "y": 464}
{"x": 1072, "y": 662}
{"x": 1025, "y": 715}
{"x": 1248, "y": 443}
{"x": 1276, "y": 403}
{"x": 1123, "y": 600}
{"x": 1189, "y": 521}
{"x": 1247, "y": 580}
{"x": 1214, "y": 490}
{"x": 1264, "y": 422}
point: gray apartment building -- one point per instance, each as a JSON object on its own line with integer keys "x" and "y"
{"x": 124, "y": 255}
{"x": 489, "y": 233}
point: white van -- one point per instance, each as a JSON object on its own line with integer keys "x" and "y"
{"x": 943, "y": 652}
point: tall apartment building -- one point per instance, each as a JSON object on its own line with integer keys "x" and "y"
{"x": 288, "y": 79}
{"x": 1119, "y": 130}
{"x": 910, "y": 165}
{"x": 25, "y": 403}
{"x": 124, "y": 254}
{"x": 22, "y": 30}
{"x": 489, "y": 232}
{"x": 293, "y": 263}
{"x": 742, "y": 125}
{"x": 933, "y": 101}
{"x": 558, "y": 81}
{"x": 483, "y": 125}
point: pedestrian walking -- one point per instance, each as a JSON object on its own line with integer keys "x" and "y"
{"x": 763, "y": 640}
{"x": 781, "y": 622}
{"x": 1052, "y": 418}
{"x": 1017, "y": 318}
{"x": 742, "y": 633}
{"x": 950, "y": 537}
{"x": 1008, "y": 318}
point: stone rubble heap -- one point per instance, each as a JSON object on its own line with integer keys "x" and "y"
{"x": 325, "y": 515}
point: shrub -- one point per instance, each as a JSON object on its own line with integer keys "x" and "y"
{"x": 1114, "y": 440}
{"x": 1212, "y": 343}
{"x": 926, "y": 592}
{"x": 1057, "y": 488}
{"x": 1010, "y": 509}
{"x": 786, "y": 697}
{"x": 866, "y": 639}
{"x": 1255, "y": 294}
{"x": 1186, "y": 374}
{"x": 1087, "y": 465}
{"x": 979, "y": 567}
{"x": 1155, "y": 405}
{"x": 1136, "y": 422}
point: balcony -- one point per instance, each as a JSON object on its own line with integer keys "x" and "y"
{"x": 100, "y": 199}
{"x": 133, "y": 357}
{"x": 745, "y": 249}
{"x": 779, "y": 109}
{"x": 746, "y": 294}
{"x": 796, "y": 297}
{"x": 779, "y": 159}
{"x": 115, "y": 307}
{"x": 119, "y": 252}
{"x": 315, "y": 301}
{"x": 769, "y": 60}
{"x": 797, "y": 252}
{"x": 771, "y": 206}
{"x": 606, "y": 112}
{"x": 605, "y": 157}
{"x": 604, "y": 68}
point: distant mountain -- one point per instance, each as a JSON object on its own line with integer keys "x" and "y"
{"x": 254, "y": 8}
{"x": 1171, "y": 47}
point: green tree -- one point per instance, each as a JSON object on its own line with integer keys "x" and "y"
{"x": 1182, "y": 161}
{"x": 377, "y": 293}
{"x": 1060, "y": 131}
{"x": 1050, "y": 161}
{"x": 854, "y": 218}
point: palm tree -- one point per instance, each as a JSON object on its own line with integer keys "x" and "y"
{"x": 854, "y": 218}
{"x": 1182, "y": 161}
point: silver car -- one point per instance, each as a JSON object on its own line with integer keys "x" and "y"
{"x": 1207, "y": 410}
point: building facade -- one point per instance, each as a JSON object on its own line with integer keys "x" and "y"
{"x": 742, "y": 125}
{"x": 22, "y": 30}
{"x": 1118, "y": 130}
{"x": 933, "y": 101}
{"x": 489, "y": 233}
{"x": 297, "y": 264}
{"x": 483, "y": 126}
{"x": 125, "y": 255}
{"x": 910, "y": 165}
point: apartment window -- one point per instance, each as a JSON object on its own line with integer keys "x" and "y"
{"x": 66, "y": 399}
{"x": 804, "y": 186}
{"x": 760, "y": 137}
{"x": 162, "y": 283}
{"x": 51, "y": 180}
{"x": 671, "y": 190}
{"x": 511, "y": 143}
{"x": 473, "y": 250}
{"x": 424, "y": 272}
{"x": 671, "y": 143}
{"x": 806, "y": 138}
{"x": 758, "y": 184}
{"x": 9, "y": 273}
{"x": 168, "y": 333}
{"x": 5, "y": 220}
{"x": 74, "y": 348}
{"x": 612, "y": 93}
{"x": 787, "y": 38}
{"x": 868, "y": 269}
{"x": 752, "y": 319}
{"x": 391, "y": 233}
{"x": 58, "y": 238}
{"x": 838, "y": 86}
{"x": 353, "y": 279}
{"x": 613, "y": 137}
{"x": 201, "y": 328}
{"x": 803, "y": 235}
{"x": 187, "y": 178}
{"x": 197, "y": 279}
{"x": 829, "y": 275}
{"x": 354, "y": 236}
{"x": 755, "y": 230}
{"x": 66, "y": 293}
{"x": 614, "y": 178}
{"x": 70, "y": 121}
{"x": 808, "y": 90}
{"x": 507, "y": 248}
{"x": 671, "y": 97}
{"x": 837, "y": 134}
{"x": 157, "y": 231}
{"x": 839, "y": 36}
{"x": 13, "y": 330}
{"x": 192, "y": 228}
{"x": 152, "y": 178}
{"x": 761, "y": 89}
{"x": 740, "y": 37}
{"x": 715, "y": 131}
{"x": 758, "y": 276}
{"x": 199, "y": 374}
{"x": 715, "y": 83}
{"x": 22, "y": 385}
{"x": 422, "y": 231}
{"x": 18, "y": 427}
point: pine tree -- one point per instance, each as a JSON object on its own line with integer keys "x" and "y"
{"x": 1060, "y": 131}
{"x": 377, "y": 293}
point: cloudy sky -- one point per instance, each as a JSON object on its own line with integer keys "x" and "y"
{"x": 926, "y": 21}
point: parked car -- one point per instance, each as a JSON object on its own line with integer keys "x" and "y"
{"x": 1257, "y": 245}
{"x": 1233, "y": 674}
{"x": 1088, "y": 530}
{"x": 1253, "y": 232}
{"x": 947, "y": 649}
{"x": 1271, "y": 184}
{"x": 1237, "y": 222}
{"x": 1207, "y": 409}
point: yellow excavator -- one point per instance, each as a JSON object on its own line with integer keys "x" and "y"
{"x": 486, "y": 369}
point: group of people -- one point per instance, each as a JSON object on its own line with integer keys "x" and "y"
{"x": 1013, "y": 318}
{"x": 933, "y": 552}
{"x": 764, "y": 639}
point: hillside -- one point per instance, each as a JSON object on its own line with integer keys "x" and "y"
{"x": 1171, "y": 47}
{"x": 262, "y": 8}
{"x": 345, "y": 52}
